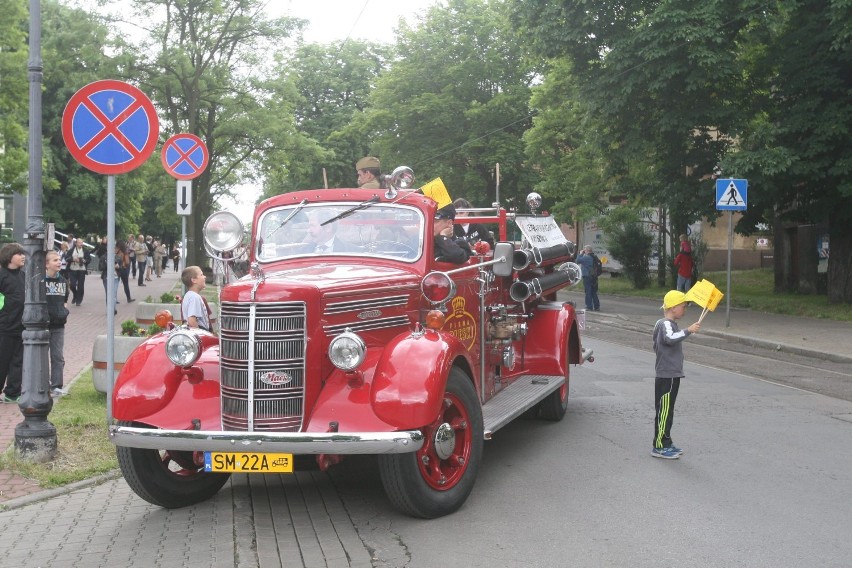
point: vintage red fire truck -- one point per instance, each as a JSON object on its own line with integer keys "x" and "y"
{"x": 373, "y": 347}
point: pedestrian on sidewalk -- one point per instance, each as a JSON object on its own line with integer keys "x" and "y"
{"x": 111, "y": 267}
{"x": 150, "y": 267}
{"x": 684, "y": 263}
{"x": 141, "y": 258}
{"x": 130, "y": 247}
{"x": 159, "y": 256}
{"x": 194, "y": 309}
{"x": 175, "y": 256}
{"x": 56, "y": 290}
{"x": 78, "y": 266}
{"x": 63, "y": 261}
{"x": 668, "y": 339}
{"x": 590, "y": 268}
{"x": 13, "y": 257}
{"x": 124, "y": 270}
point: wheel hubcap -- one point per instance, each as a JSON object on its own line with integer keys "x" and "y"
{"x": 445, "y": 441}
{"x": 444, "y": 458}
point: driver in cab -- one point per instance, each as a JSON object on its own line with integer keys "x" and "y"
{"x": 448, "y": 248}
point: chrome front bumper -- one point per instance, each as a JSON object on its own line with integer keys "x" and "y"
{"x": 285, "y": 442}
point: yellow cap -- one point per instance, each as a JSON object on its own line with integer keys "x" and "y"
{"x": 673, "y": 298}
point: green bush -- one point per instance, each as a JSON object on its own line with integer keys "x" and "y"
{"x": 131, "y": 329}
{"x": 167, "y": 298}
{"x": 630, "y": 244}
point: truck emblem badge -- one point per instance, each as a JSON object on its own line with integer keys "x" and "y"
{"x": 369, "y": 314}
{"x": 276, "y": 378}
{"x": 461, "y": 323}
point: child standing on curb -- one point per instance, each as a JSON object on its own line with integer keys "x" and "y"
{"x": 56, "y": 288}
{"x": 668, "y": 371}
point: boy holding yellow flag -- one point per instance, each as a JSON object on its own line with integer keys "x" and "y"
{"x": 668, "y": 371}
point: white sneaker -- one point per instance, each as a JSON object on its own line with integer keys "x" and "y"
{"x": 57, "y": 392}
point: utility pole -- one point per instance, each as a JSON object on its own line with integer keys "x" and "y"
{"x": 35, "y": 437}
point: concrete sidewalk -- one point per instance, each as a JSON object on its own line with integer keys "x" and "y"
{"x": 85, "y": 323}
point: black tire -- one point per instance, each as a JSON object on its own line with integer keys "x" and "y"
{"x": 168, "y": 479}
{"x": 554, "y": 406}
{"x": 424, "y": 484}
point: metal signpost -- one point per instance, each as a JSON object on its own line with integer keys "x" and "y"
{"x": 110, "y": 127}
{"x": 184, "y": 157}
{"x": 731, "y": 195}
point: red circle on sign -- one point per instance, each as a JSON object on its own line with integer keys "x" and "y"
{"x": 184, "y": 156}
{"x": 110, "y": 127}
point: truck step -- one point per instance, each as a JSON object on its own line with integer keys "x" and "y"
{"x": 524, "y": 393}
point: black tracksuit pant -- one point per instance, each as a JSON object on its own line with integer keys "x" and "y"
{"x": 665, "y": 393}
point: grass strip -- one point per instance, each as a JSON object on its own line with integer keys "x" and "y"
{"x": 83, "y": 446}
{"x": 750, "y": 289}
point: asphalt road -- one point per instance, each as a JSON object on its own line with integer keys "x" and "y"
{"x": 819, "y": 375}
{"x": 765, "y": 480}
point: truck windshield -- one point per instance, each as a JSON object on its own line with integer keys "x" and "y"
{"x": 381, "y": 230}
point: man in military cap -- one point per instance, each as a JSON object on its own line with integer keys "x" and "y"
{"x": 448, "y": 248}
{"x": 369, "y": 172}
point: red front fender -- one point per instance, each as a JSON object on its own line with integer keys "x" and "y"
{"x": 410, "y": 378}
{"x": 151, "y": 389}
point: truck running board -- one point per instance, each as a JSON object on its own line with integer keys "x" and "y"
{"x": 515, "y": 399}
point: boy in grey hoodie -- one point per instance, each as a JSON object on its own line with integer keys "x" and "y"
{"x": 668, "y": 371}
{"x": 56, "y": 289}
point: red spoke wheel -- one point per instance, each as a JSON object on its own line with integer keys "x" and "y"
{"x": 437, "y": 479}
{"x": 168, "y": 478}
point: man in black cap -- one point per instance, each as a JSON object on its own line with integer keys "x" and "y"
{"x": 447, "y": 248}
{"x": 369, "y": 171}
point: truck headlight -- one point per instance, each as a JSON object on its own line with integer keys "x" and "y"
{"x": 183, "y": 348}
{"x": 347, "y": 351}
{"x": 223, "y": 231}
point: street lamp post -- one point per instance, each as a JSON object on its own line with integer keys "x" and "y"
{"x": 35, "y": 437}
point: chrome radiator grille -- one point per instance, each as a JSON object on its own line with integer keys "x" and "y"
{"x": 262, "y": 352}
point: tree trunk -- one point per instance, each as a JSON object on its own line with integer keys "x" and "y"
{"x": 840, "y": 267}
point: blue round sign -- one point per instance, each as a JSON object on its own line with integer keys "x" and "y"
{"x": 110, "y": 127}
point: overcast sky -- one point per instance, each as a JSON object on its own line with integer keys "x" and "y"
{"x": 334, "y": 20}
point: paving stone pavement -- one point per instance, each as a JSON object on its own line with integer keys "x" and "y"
{"x": 254, "y": 521}
{"x": 85, "y": 323}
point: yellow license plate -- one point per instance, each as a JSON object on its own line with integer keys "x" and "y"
{"x": 247, "y": 462}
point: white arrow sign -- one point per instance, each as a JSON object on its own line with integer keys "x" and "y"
{"x": 184, "y": 197}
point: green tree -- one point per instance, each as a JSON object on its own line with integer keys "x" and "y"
{"x": 795, "y": 149}
{"x": 204, "y": 64}
{"x": 649, "y": 89}
{"x": 13, "y": 97}
{"x": 333, "y": 82}
{"x": 74, "y": 49}
{"x": 455, "y": 101}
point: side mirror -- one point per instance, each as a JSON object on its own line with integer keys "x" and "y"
{"x": 503, "y": 254}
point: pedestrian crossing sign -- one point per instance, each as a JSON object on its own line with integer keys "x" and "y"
{"x": 731, "y": 194}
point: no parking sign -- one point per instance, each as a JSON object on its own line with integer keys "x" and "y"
{"x": 184, "y": 156}
{"x": 110, "y": 127}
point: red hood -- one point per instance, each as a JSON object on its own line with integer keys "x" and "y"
{"x": 323, "y": 277}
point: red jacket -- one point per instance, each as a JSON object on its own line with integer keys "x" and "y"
{"x": 684, "y": 264}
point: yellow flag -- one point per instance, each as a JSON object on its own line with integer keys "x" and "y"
{"x": 715, "y": 298}
{"x": 437, "y": 191}
{"x": 700, "y": 293}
